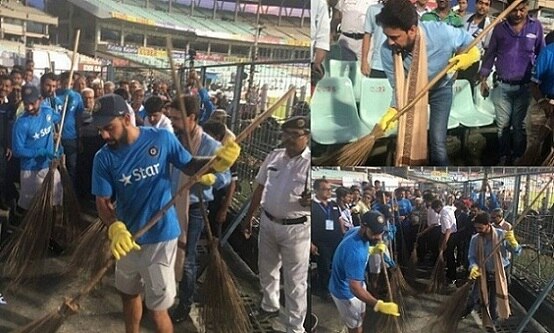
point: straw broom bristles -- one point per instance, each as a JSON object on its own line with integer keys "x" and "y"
{"x": 223, "y": 308}
{"x": 549, "y": 160}
{"x": 412, "y": 262}
{"x": 388, "y": 323}
{"x": 355, "y": 153}
{"x": 533, "y": 153}
{"x": 450, "y": 312}
{"x": 399, "y": 283}
{"x": 25, "y": 251}
{"x": 94, "y": 238}
{"x": 437, "y": 276}
{"x": 71, "y": 209}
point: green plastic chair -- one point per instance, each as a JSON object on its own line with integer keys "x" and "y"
{"x": 463, "y": 108}
{"x": 376, "y": 95}
{"x": 484, "y": 105}
{"x": 335, "y": 117}
{"x": 350, "y": 69}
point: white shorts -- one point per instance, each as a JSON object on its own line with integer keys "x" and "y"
{"x": 31, "y": 182}
{"x": 351, "y": 311}
{"x": 152, "y": 270}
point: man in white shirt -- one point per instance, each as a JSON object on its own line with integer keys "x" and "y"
{"x": 371, "y": 61}
{"x": 428, "y": 239}
{"x": 352, "y": 16}
{"x": 448, "y": 240}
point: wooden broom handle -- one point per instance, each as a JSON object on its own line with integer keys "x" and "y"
{"x": 445, "y": 70}
{"x": 194, "y": 179}
{"x": 66, "y": 101}
{"x": 179, "y": 92}
{"x": 389, "y": 289}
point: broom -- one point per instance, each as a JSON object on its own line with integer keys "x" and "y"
{"x": 223, "y": 308}
{"x": 93, "y": 237}
{"x": 70, "y": 306}
{"x": 532, "y": 155}
{"x": 450, "y": 311}
{"x": 23, "y": 253}
{"x": 388, "y": 323}
{"x": 437, "y": 276}
{"x": 356, "y": 153}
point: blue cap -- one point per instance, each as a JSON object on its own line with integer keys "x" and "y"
{"x": 374, "y": 221}
{"x": 106, "y": 108}
{"x": 30, "y": 94}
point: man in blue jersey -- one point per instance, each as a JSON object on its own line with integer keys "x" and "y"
{"x": 74, "y": 110}
{"x": 400, "y": 24}
{"x": 135, "y": 166}
{"x": 190, "y": 210}
{"x": 347, "y": 283}
{"x": 33, "y": 143}
{"x": 48, "y": 86}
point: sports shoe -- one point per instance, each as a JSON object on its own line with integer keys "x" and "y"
{"x": 180, "y": 314}
{"x": 261, "y": 314}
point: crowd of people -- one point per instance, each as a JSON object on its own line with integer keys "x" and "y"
{"x": 374, "y": 223}
{"x": 516, "y": 53}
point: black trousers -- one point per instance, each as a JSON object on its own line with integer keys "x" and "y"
{"x": 449, "y": 256}
{"x": 324, "y": 260}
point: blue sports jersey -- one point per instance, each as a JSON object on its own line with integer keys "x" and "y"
{"x": 139, "y": 175}
{"x": 349, "y": 263}
{"x": 74, "y": 109}
{"x": 31, "y": 134}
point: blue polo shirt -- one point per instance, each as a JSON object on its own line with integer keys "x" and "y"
{"x": 349, "y": 263}
{"x": 139, "y": 175}
{"x": 442, "y": 41}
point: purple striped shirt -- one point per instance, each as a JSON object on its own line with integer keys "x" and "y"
{"x": 513, "y": 54}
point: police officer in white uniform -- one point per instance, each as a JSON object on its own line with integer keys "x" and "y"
{"x": 284, "y": 236}
{"x": 352, "y": 16}
{"x": 320, "y": 34}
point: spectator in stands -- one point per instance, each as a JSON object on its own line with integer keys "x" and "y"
{"x": 373, "y": 31}
{"x": 539, "y": 115}
{"x": 221, "y": 117}
{"x": 3, "y": 70}
{"x": 164, "y": 90}
{"x": 223, "y": 197}
{"x": 422, "y": 7}
{"x": 513, "y": 60}
{"x": 17, "y": 77}
{"x": 137, "y": 98}
{"x": 206, "y": 106}
{"x": 351, "y": 16}
{"x": 97, "y": 86}
{"x": 344, "y": 198}
{"x": 355, "y": 191}
{"x": 28, "y": 77}
{"x": 154, "y": 115}
{"x": 79, "y": 84}
{"x": 133, "y": 86}
{"x": 444, "y": 13}
{"x": 320, "y": 37}
{"x": 125, "y": 85}
{"x": 462, "y": 9}
{"x": 109, "y": 87}
{"x": 30, "y": 66}
{"x": 400, "y": 23}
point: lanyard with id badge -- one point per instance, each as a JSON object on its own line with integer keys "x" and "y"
{"x": 329, "y": 223}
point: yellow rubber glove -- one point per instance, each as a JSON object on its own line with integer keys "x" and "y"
{"x": 207, "y": 180}
{"x": 391, "y": 112}
{"x": 511, "y": 239}
{"x": 388, "y": 308}
{"x": 226, "y": 156}
{"x": 378, "y": 249}
{"x": 121, "y": 240}
{"x": 474, "y": 272}
{"x": 464, "y": 60}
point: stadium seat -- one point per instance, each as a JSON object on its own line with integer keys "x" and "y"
{"x": 337, "y": 119}
{"x": 350, "y": 69}
{"x": 463, "y": 108}
{"x": 376, "y": 95}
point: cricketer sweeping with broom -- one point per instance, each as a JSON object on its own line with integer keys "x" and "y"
{"x": 134, "y": 165}
{"x": 414, "y": 52}
{"x": 33, "y": 143}
{"x": 347, "y": 283}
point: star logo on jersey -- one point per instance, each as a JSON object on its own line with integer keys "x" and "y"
{"x": 48, "y": 118}
{"x": 126, "y": 180}
{"x": 153, "y": 151}
{"x": 36, "y": 136}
